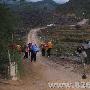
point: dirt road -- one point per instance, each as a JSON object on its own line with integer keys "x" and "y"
{"x": 40, "y": 74}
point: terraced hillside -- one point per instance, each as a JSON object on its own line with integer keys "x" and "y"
{"x": 65, "y": 38}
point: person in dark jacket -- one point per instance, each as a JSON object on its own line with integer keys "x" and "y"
{"x": 29, "y": 46}
{"x": 79, "y": 49}
{"x": 26, "y": 53}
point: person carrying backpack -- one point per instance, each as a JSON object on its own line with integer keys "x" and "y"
{"x": 82, "y": 53}
{"x": 43, "y": 48}
{"x": 34, "y": 50}
{"x": 49, "y": 47}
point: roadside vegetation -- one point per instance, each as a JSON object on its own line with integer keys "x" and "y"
{"x": 8, "y": 36}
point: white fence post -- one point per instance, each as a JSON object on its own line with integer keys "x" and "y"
{"x": 13, "y": 68}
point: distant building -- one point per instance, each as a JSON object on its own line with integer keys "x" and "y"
{"x": 50, "y": 25}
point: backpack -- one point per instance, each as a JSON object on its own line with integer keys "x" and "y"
{"x": 35, "y": 48}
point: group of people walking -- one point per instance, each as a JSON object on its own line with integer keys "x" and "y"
{"x": 31, "y": 50}
{"x": 46, "y": 48}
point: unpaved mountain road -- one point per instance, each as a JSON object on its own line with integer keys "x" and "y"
{"x": 38, "y": 74}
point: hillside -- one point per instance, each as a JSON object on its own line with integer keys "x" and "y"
{"x": 79, "y": 7}
{"x": 49, "y": 4}
{"x": 33, "y": 13}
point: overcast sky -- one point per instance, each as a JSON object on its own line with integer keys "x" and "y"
{"x": 61, "y": 1}
{"x": 57, "y": 1}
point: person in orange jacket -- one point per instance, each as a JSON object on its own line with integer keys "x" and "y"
{"x": 49, "y": 47}
{"x": 43, "y": 48}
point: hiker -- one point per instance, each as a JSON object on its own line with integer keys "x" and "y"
{"x": 29, "y": 47}
{"x": 19, "y": 48}
{"x": 34, "y": 50}
{"x": 43, "y": 48}
{"x": 49, "y": 47}
{"x": 26, "y": 52}
{"x": 82, "y": 54}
